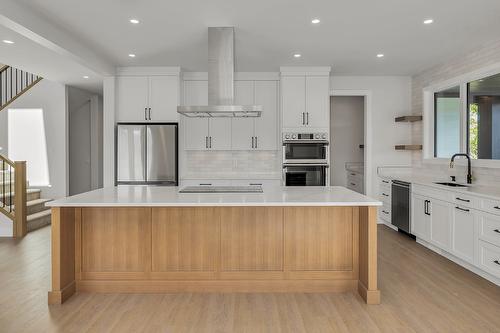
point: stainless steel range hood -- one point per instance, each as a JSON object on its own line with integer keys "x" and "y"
{"x": 220, "y": 80}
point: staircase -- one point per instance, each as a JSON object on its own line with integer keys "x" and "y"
{"x": 32, "y": 213}
{"x": 14, "y": 83}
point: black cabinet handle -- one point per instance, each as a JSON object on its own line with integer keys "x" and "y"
{"x": 206, "y": 142}
{"x": 497, "y": 231}
{"x": 385, "y": 212}
{"x": 385, "y": 195}
{"x": 205, "y": 184}
{"x": 496, "y": 207}
{"x": 426, "y": 207}
{"x": 462, "y": 209}
{"x": 496, "y": 262}
{"x": 387, "y": 182}
{"x": 210, "y": 142}
{"x": 353, "y": 184}
{"x": 307, "y": 118}
{"x": 145, "y": 113}
{"x": 149, "y": 109}
{"x": 464, "y": 200}
{"x": 253, "y": 146}
{"x": 256, "y": 184}
{"x": 256, "y": 142}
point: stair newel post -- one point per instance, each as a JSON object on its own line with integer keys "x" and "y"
{"x": 20, "y": 198}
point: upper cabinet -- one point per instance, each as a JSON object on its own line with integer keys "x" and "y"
{"x": 256, "y": 133}
{"x": 141, "y": 96}
{"x": 203, "y": 133}
{"x": 305, "y": 94}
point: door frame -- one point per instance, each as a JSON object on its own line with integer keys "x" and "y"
{"x": 367, "y": 94}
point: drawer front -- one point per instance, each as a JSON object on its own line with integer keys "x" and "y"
{"x": 352, "y": 174}
{"x": 385, "y": 212}
{"x": 488, "y": 258}
{"x": 265, "y": 183}
{"x": 385, "y": 194}
{"x": 490, "y": 206}
{"x": 465, "y": 200}
{"x": 489, "y": 228}
{"x": 355, "y": 184}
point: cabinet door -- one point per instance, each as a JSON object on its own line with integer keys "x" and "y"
{"x": 195, "y": 129}
{"x": 420, "y": 221}
{"x": 266, "y": 126}
{"x": 243, "y": 128}
{"x": 463, "y": 233}
{"x": 293, "y": 98}
{"x": 163, "y": 98}
{"x": 219, "y": 133}
{"x": 317, "y": 101}
{"x": 441, "y": 223}
{"x": 131, "y": 98}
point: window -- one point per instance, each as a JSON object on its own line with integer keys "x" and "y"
{"x": 26, "y": 138}
{"x": 483, "y": 118}
{"x": 447, "y": 114}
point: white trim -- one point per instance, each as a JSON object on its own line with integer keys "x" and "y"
{"x": 108, "y": 136}
{"x": 238, "y": 76}
{"x": 367, "y": 132}
{"x": 428, "y": 116}
{"x": 147, "y": 71}
{"x": 305, "y": 71}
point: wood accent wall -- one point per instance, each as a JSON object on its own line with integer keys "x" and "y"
{"x": 266, "y": 249}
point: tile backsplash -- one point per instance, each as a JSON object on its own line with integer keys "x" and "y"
{"x": 232, "y": 164}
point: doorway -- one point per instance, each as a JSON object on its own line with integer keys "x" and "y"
{"x": 347, "y": 142}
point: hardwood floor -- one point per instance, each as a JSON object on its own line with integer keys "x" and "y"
{"x": 421, "y": 292}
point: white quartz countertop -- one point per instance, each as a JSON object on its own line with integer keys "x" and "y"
{"x": 160, "y": 196}
{"x": 490, "y": 192}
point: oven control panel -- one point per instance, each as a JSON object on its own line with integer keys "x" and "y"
{"x": 290, "y": 136}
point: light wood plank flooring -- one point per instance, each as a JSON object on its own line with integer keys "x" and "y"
{"x": 421, "y": 292}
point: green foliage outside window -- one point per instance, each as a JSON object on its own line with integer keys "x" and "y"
{"x": 473, "y": 130}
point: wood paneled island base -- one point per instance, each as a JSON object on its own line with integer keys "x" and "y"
{"x": 214, "y": 249}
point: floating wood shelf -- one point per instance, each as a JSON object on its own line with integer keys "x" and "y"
{"x": 408, "y": 119}
{"x": 408, "y": 147}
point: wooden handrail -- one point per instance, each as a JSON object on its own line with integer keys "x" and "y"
{"x": 14, "y": 197}
{"x": 14, "y": 83}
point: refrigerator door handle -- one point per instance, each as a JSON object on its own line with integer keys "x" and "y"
{"x": 145, "y": 113}
{"x": 149, "y": 109}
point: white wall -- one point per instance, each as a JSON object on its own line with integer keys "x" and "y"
{"x": 346, "y": 134}
{"x": 51, "y": 97}
{"x": 389, "y": 98}
{"x": 85, "y": 140}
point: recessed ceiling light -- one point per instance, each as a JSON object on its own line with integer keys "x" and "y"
{"x": 315, "y": 21}
{"x": 134, "y": 21}
{"x": 297, "y": 55}
{"x": 6, "y": 41}
{"x": 380, "y": 55}
{"x": 131, "y": 55}
{"x": 85, "y": 76}
{"x": 428, "y": 21}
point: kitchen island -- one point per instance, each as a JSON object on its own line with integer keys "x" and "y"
{"x": 151, "y": 239}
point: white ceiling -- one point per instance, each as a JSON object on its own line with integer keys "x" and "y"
{"x": 268, "y": 32}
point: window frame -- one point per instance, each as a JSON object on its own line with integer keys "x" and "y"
{"x": 428, "y": 134}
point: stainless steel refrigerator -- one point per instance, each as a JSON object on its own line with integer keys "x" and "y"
{"x": 146, "y": 153}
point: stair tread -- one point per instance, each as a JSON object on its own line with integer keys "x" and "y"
{"x": 30, "y": 190}
{"x": 35, "y": 202}
{"x": 38, "y": 215}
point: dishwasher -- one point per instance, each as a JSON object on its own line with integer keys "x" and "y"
{"x": 401, "y": 205}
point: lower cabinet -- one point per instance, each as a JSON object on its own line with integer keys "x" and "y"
{"x": 463, "y": 233}
{"x": 421, "y": 222}
{"x": 441, "y": 223}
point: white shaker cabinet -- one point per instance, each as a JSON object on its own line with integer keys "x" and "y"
{"x": 293, "y": 101}
{"x": 195, "y": 129}
{"x": 132, "y": 93}
{"x": 204, "y": 133}
{"x": 317, "y": 101}
{"x": 441, "y": 223}
{"x": 421, "y": 221}
{"x": 147, "y": 98}
{"x": 463, "y": 220}
{"x": 256, "y": 133}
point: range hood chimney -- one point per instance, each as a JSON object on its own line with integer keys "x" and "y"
{"x": 220, "y": 80}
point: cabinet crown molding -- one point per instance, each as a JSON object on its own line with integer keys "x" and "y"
{"x": 305, "y": 71}
{"x": 238, "y": 76}
{"x": 148, "y": 71}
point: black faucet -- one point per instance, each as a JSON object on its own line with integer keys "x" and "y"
{"x": 469, "y": 173}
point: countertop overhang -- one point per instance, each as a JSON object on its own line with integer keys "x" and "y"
{"x": 159, "y": 196}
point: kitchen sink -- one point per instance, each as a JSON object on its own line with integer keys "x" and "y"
{"x": 450, "y": 184}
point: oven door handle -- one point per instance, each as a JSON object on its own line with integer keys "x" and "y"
{"x": 305, "y": 165}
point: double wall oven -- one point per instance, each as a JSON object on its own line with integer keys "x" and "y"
{"x": 305, "y": 159}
